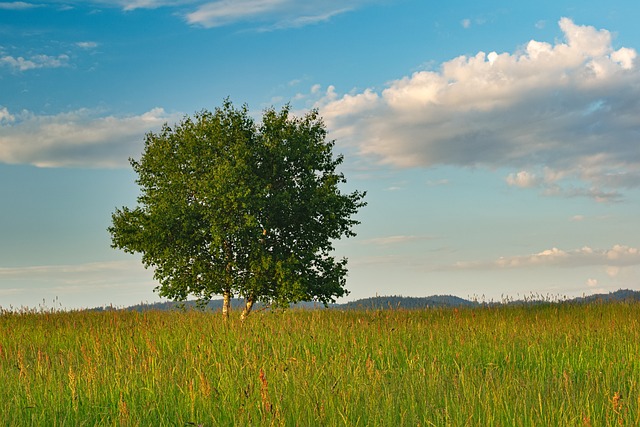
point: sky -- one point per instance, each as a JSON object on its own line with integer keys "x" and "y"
{"x": 498, "y": 141}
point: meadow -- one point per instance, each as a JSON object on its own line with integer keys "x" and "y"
{"x": 547, "y": 364}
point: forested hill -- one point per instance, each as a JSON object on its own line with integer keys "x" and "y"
{"x": 619, "y": 295}
{"x": 398, "y": 302}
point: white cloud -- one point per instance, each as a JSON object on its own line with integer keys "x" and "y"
{"x": 5, "y": 116}
{"x": 36, "y": 61}
{"x": 270, "y": 14}
{"x": 613, "y": 259}
{"x": 87, "y": 45}
{"x": 466, "y": 23}
{"x": 274, "y": 13}
{"x": 557, "y": 113}
{"x": 17, "y": 5}
{"x": 522, "y": 179}
{"x": 223, "y": 12}
{"x": 549, "y": 183}
{"x": 625, "y": 57}
{"x": 129, "y": 5}
{"x": 126, "y": 5}
{"x": 612, "y": 271}
{"x": 78, "y": 138}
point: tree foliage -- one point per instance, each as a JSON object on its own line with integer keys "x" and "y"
{"x": 237, "y": 208}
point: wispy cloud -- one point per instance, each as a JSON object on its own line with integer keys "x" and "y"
{"x": 70, "y": 269}
{"x": 37, "y": 61}
{"x": 394, "y": 240}
{"x": 125, "y": 5}
{"x": 223, "y": 12}
{"x": 271, "y": 14}
{"x": 17, "y": 5}
{"x": 81, "y": 138}
{"x": 311, "y": 19}
{"x": 87, "y": 45}
{"x": 130, "y": 5}
{"x": 614, "y": 258}
{"x": 77, "y": 285}
{"x": 548, "y": 183}
{"x": 557, "y": 114}
{"x": 266, "y": 14}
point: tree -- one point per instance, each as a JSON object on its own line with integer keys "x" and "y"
{"x": 234, "y": 208}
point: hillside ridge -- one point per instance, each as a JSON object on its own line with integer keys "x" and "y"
{"x": 394, "y": 302}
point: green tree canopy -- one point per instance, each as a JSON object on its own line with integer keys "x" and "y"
{"x": 235, "y": 208}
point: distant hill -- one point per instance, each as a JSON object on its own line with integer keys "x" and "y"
{"x": 622, "y": 295}
{"x": 407, "y": 303}
{"x": 373, "y": 303}
{"x": 388, "y": 302}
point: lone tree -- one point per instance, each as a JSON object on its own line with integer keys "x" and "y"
{"x": 234, "y": 208}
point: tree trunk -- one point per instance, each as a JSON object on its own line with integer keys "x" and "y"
{"x": 226, "y": 293}
{"x": 226, "y": 304}
{"x": 247, "y": 307}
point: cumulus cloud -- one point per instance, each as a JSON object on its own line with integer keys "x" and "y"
{"x": 613, "y": 259}
{"x": 37, "y": 61}
{"x": 76, "y": 139}
{"x": 554, "y": 113}
{"x": 5, "y": 116}
{"x": 274, "y": 13}
{"x": 522, "y": 179}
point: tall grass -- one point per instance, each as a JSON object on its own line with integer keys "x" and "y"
{"x": 550, "y": 364}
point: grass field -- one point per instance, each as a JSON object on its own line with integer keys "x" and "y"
{"x": 542, "y": 365}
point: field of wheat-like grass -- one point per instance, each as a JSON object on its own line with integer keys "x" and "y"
{"x": 547, "y": 364}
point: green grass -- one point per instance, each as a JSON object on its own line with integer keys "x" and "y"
{"x": 551, "y": 364}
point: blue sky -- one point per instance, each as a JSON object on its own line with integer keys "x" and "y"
{"x": 498, "y": 141}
